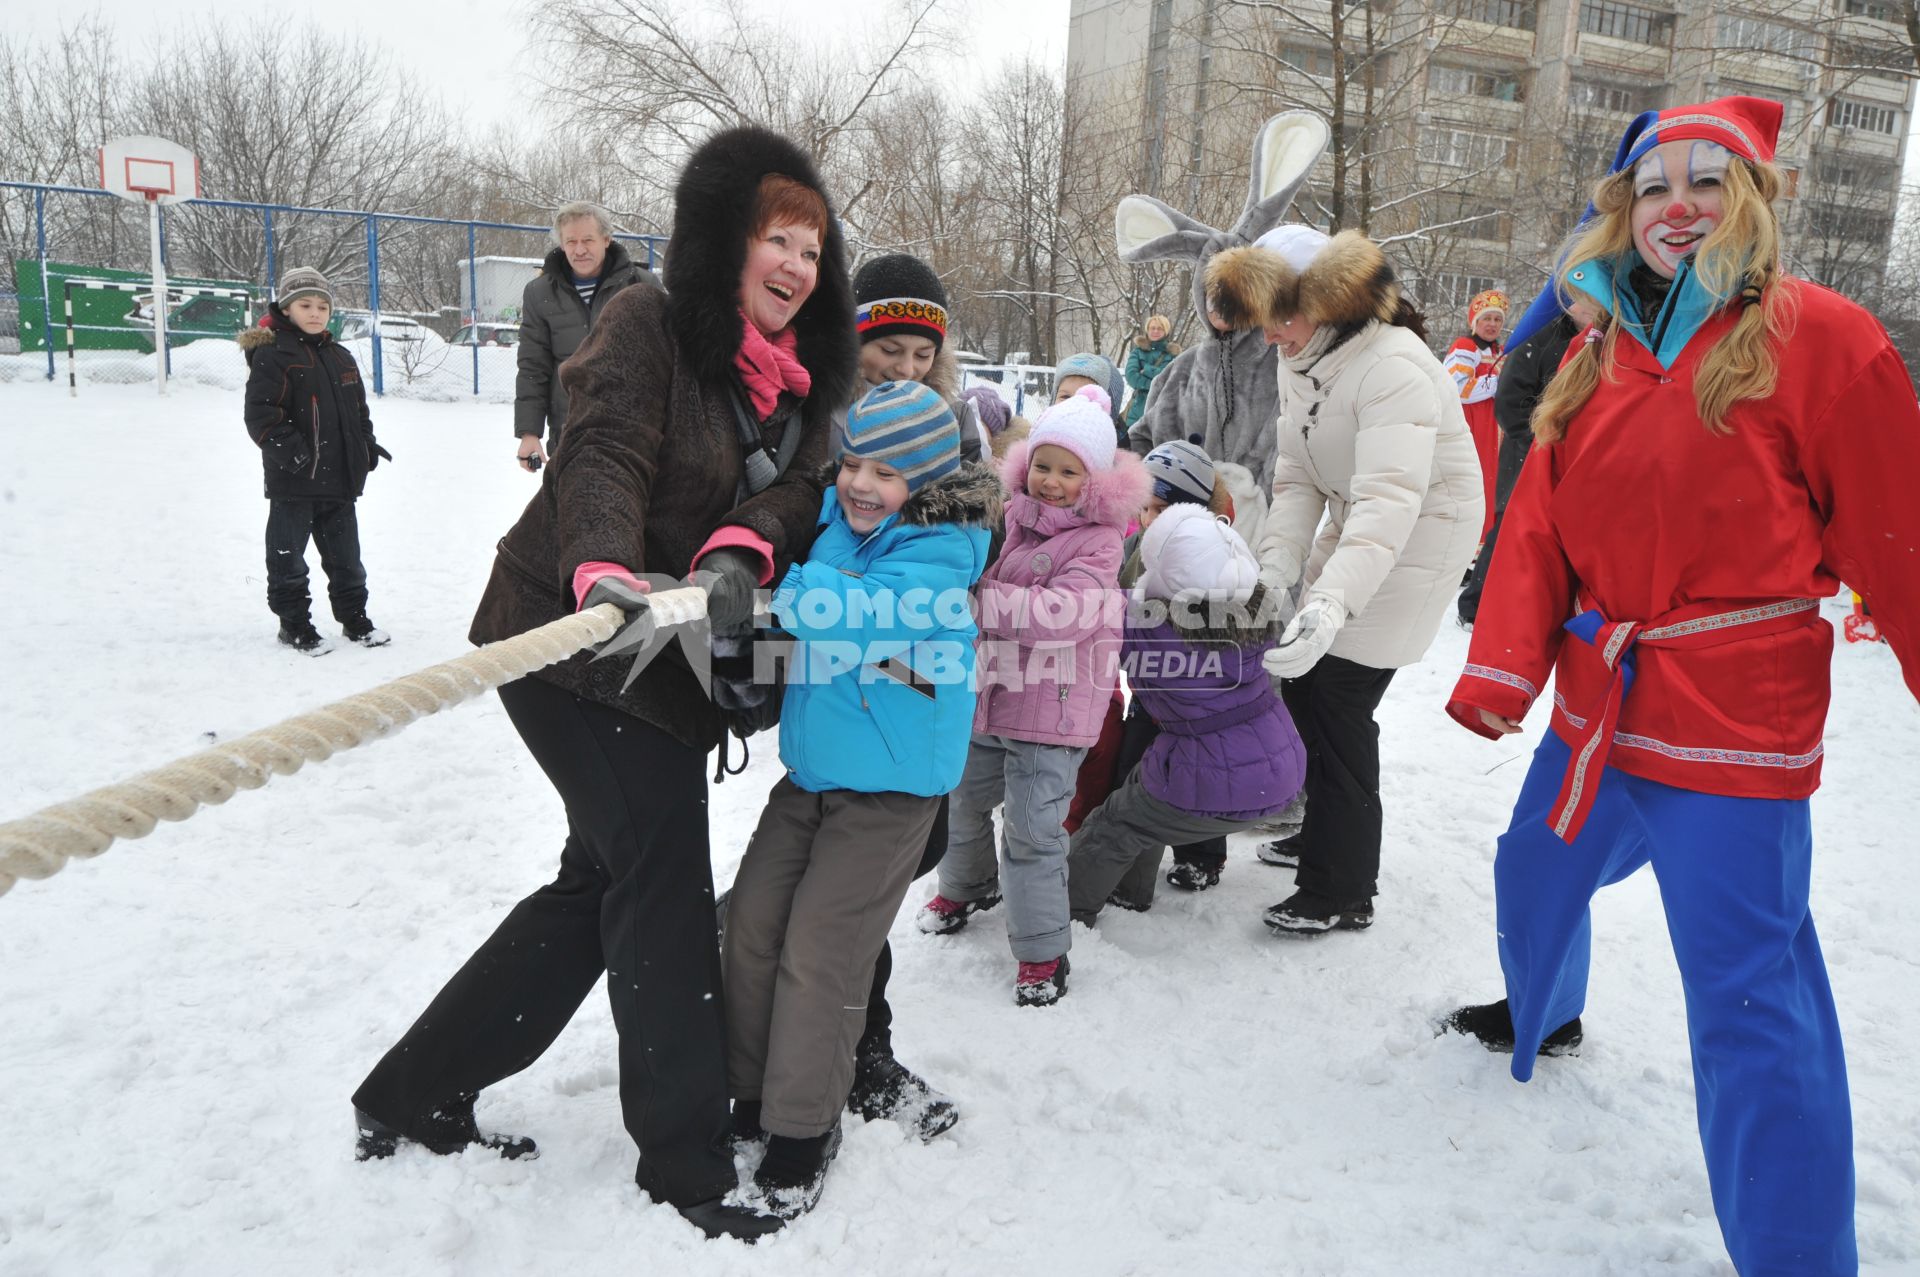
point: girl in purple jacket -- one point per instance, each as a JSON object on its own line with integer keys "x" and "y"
{"x": 1050, "y": 615}
{"x": 1227, "y": 755}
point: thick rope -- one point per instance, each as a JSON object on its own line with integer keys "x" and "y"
{"x": 41, "y": 844}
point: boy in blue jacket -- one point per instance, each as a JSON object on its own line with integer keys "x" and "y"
{"x": 874, "y": 729}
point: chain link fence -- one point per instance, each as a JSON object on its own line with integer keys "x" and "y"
{"x": 430, "y": 307}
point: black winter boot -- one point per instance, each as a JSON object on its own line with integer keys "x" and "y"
{"x": 359, "y": 629}
{"x": 446, "y": 1131}
{"x": 1307, "y": 913}
{"x": 1188, "y": 876}
{"x": 794, "y": 1172}
{"x": 1281, "y": 852}
{"x": 1492, "y": 1024}
{"x": 884, "y": 1088}
{"x": 1041, "y": 984}
{"x": 300, "y": 635}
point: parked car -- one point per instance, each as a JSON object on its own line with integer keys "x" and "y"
{"x": 190, "y": 316}
{"x": 488, "y": 334}
{"x": 357, "y": 325}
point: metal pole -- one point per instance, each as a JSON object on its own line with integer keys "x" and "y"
{"x": 159, "y": 298}
{"x": 46, "y": 279}
{"x": 267, "y": 216}
{"x": 473, "y": 305}
{"x": 166, "y": 347}
{"x": 73, "y": 380}
{"x": 373, "y": 300}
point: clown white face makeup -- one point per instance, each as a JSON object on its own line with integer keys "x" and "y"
{"x": 1678, "y": 190}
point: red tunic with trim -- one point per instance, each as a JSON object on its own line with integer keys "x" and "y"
{"x": 1476, "y": 371}
{"x": 1644, "y": 514}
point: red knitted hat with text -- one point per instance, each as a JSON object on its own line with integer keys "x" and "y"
{"x": 1749, "y": 127}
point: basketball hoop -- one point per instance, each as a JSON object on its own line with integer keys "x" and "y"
{"x": 152, "y": 171}
{"x": 149, "y": 170}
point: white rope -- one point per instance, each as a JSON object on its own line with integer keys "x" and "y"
{"x": 41, "y": 844}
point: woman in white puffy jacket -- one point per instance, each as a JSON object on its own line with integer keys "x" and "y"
{"x": 1372, "y": 438}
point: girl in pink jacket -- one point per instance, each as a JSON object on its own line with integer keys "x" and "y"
{"x": 1050, "y": 616}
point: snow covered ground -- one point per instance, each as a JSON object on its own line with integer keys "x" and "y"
{"x": 186, "y": 1015}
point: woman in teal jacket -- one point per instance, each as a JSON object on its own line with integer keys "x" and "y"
{"x": 1149, "y": 358}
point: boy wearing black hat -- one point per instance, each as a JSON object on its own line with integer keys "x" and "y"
{"x": 306, "y": 410}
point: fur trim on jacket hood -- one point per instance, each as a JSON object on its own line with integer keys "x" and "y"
{"x": 1113, "y": 497}
{"x": 1348, "y": 283}
{"x": 712, "y": 220}
{"x": 971, "y": 495}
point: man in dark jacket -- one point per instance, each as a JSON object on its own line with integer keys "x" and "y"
{"x": 561, "y": 303}
{"x": 306, "y": 410}
{"x": 1523, "y": 379}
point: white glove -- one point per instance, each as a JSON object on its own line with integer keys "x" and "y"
{"x": 1307, "y": 638}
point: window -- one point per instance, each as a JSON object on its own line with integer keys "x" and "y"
{"x": 1862, "y": 117}
{"x": 1462, "y": 148}
{"x": 1501, "y": 86}
{"x": 1860, "y": 171}
{"x": 1626, "y": 22}
{"x": 1761, "y": 36}
{"x": 1499, "y": 13}
{"x": 1315, "y": 63}
{"x": 1621, "y": 99}
{"x": 1450, "y": 290}
{"x": 1468, "y": 215}
{"x": 1879, "y": 10}
{"x": 1842, "y": 221}
{"x": 1880, "y": 61}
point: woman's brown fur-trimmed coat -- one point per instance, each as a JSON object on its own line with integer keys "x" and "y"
{"x": 651, "y": 460}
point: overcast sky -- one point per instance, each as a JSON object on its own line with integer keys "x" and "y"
{"x": 475, "y": 53}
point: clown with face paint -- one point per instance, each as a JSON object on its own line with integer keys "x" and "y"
{"x": 1715, "y": 455}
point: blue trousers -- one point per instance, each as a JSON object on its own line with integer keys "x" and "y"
{"x": 1769, "y": 1076}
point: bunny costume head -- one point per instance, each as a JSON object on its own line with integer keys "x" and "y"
{"x": 1224, "y": 387}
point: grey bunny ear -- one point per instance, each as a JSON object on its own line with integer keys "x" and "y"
{"x": 1150, "y": 231}
{"x": 1284, "y": 153}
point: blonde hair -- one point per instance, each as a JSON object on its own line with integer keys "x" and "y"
{"x": 1741, "y": 257}
{"x": 1166, "y": 329}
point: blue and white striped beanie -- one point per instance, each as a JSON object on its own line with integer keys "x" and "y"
{"x": 905, "y": 425}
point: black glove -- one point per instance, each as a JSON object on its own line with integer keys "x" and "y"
{"x": 730, "y": 578}
{"x": 637, "y": 631}
{"x": 748, "y": 706}
{"x": 376, "y": 454}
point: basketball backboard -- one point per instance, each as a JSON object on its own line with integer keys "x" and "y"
{"x": 149, "y": 169}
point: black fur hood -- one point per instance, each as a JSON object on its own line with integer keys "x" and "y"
{"x": 712, "y": 218}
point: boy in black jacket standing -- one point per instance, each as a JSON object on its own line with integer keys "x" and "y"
{"x": 306, "y": 409}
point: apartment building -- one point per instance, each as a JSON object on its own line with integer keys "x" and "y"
{"x": 1470, "y": 131}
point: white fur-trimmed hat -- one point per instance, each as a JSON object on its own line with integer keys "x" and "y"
{"x": 1079, "y": 425}
{"x": 1188, "y": 555}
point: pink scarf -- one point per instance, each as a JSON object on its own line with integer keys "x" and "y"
{"x": 767, "y": 366}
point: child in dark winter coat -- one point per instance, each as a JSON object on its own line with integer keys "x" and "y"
{"x": 1228, "y": 754}
{"x": 306, "y": 409}
{"x": 873, "y": 732}
{"x": 1050, "y": 617}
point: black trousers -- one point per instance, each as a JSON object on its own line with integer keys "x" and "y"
{"x": 633, "y": 899}
{"x": 1332, "y": 706}
{"x": 1469, "y": 603}
{"x": 335, "y": 528}
{"x": 878, "y": 1038}
{"x": 1138, "y": 734}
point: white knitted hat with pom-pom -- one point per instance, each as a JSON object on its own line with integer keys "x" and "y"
{"x": 1080, "y": 426}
